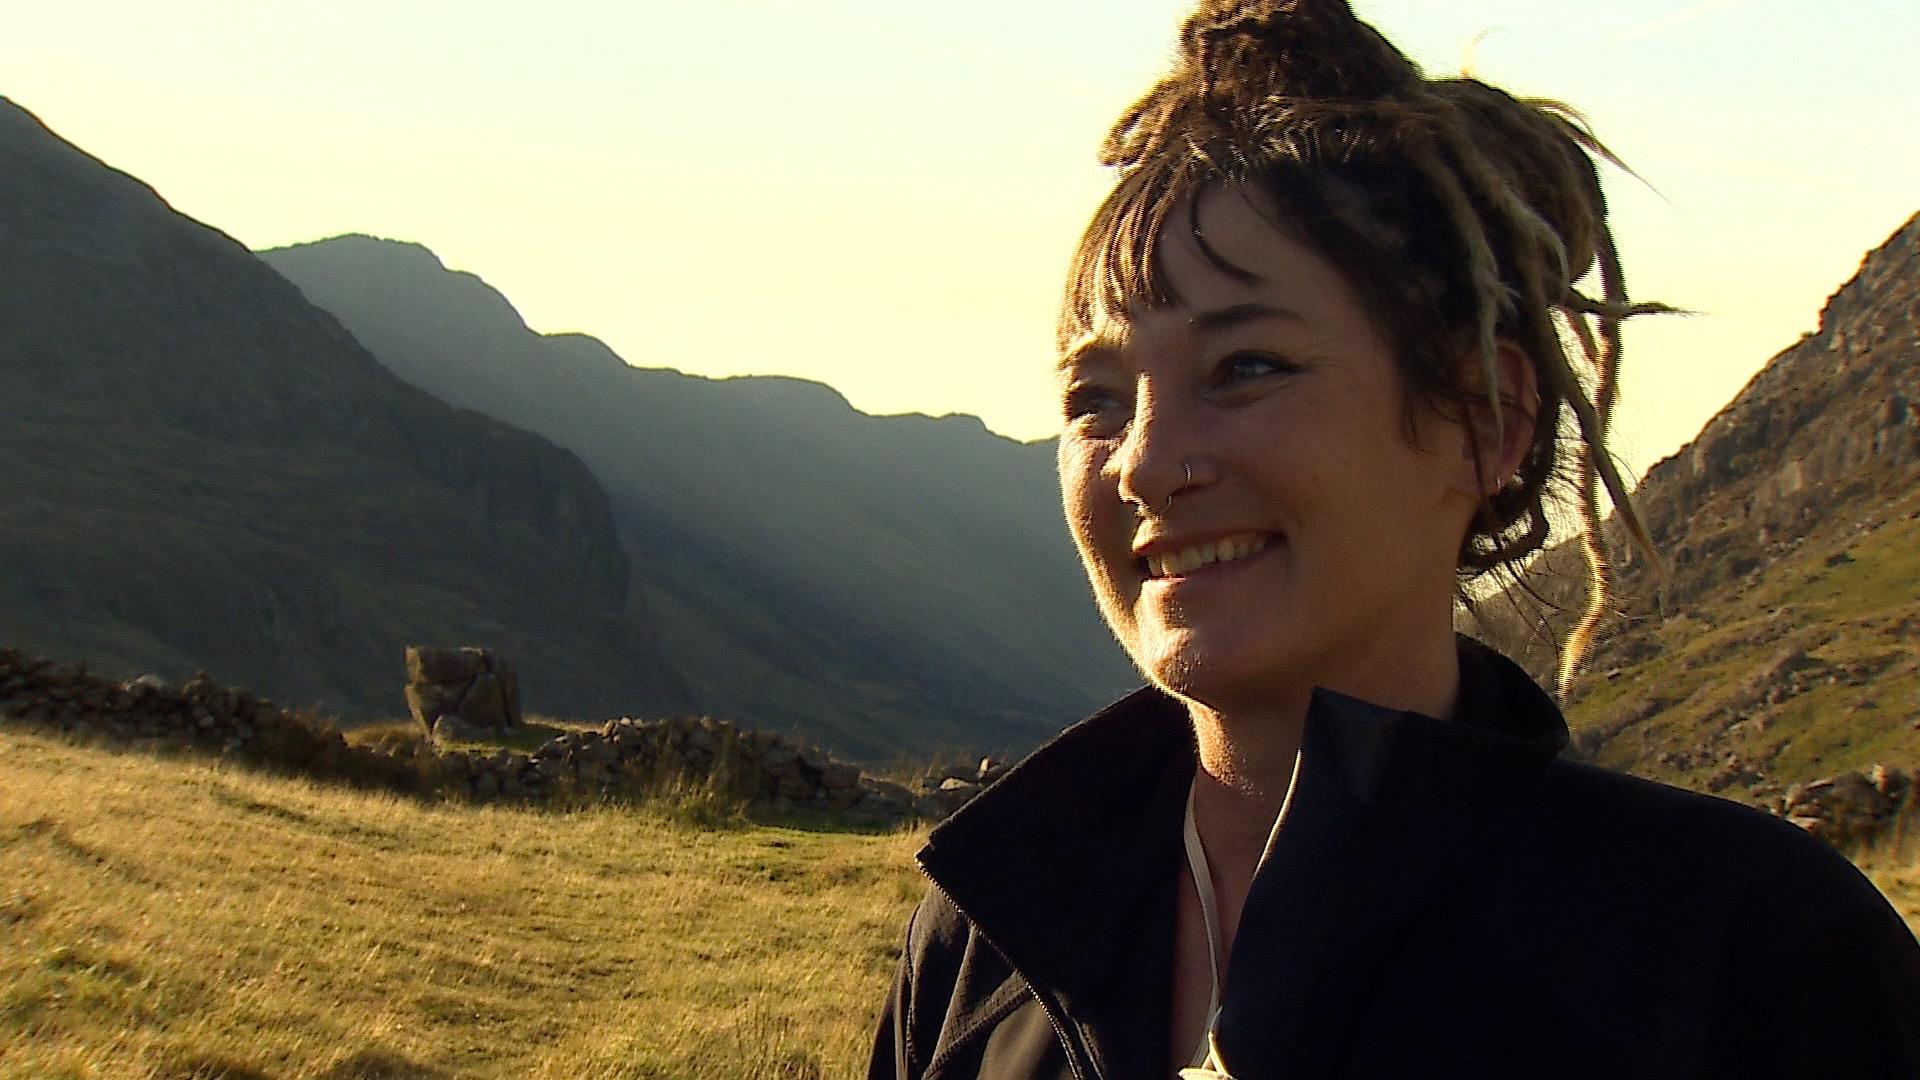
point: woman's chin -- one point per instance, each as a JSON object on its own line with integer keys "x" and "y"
{"x": 1210, "y": 676}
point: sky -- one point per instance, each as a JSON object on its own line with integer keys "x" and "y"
{"x": 881, "y": 194}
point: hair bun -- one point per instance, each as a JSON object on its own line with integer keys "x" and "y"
{"x": 1239, "y": 60}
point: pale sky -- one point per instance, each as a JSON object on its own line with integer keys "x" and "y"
{"x": 881, "y": 194}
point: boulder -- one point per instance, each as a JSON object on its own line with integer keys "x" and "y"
{"x": 444, "y": 666}
{"x": 484, "y": 705}
{"x": 473, "y": 683}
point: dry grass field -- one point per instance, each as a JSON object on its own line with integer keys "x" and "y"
{"x": 1894, "y": 865}
{"x": 173, "y": 918}
{"x": 181, "y": 919}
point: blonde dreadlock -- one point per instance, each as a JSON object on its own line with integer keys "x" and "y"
{"x": 1461, "y": 214}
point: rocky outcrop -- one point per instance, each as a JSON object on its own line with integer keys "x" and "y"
{"x": 1834, "y": 418}
{"x": 1829, "y": 429}
{"x": 1852, "y": 808}
{"x": 462, "y": 694}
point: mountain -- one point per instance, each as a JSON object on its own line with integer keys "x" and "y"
{"x": 201, "y": 470}
{"x": 1781, "y": 643}
{"x": 888, "y": 581}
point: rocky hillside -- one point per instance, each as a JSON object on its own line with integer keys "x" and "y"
{"x": 1782, "y": 642}
{"x": 201, "y": 470}
{"x": 878, "y": 581}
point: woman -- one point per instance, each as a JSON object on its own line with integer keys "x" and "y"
{"x": 1313, "y": 376}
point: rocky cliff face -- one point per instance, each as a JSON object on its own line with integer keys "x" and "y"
{"x": 1832, "y": 420}
{"x": 201, "y": 470}
{"x": 1780, "y": 644}
{"x": 1829, "y": 425}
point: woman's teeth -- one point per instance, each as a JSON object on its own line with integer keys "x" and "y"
{"x": 1187, "y": 560}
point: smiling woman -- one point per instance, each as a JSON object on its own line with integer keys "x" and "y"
{"x": 1262, "y": 414}
{"x": 1316, "y": 372}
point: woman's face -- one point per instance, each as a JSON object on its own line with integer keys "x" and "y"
{"x": 1293, "y": 535}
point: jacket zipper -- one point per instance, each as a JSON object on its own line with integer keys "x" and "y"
{"x": 1056, "y": 1017}
{"x": 1075, "y": 1050}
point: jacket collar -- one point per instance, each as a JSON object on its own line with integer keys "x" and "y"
{"x": 1055, "y": 862}
{"x": 1401, "y": 807}
{"x": 1061, "y": 861}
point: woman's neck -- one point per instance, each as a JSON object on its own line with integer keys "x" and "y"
{"x": 1247, "y": 753}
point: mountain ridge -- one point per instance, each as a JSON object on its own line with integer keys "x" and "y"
{"x": 205, "y": 471}
{"x": 811, "y": 561}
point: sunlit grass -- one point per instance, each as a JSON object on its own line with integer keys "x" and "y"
{"x": 173, "y": 918}
{"x": 1893, "y": 862}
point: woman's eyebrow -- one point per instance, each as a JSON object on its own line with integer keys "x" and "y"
{"x": 1208, "y": 322}
{"x": 1087, "y": 348}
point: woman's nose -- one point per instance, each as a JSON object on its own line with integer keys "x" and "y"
{"x": 1153, "y": 460}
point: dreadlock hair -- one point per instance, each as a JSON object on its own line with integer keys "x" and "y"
{"x": 1461, "y": 215}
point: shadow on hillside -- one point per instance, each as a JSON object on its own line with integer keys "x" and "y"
{"x": 818, "y": 821}
{"x": 377, "y": 1064}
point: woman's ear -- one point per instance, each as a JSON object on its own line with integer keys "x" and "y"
{"x": 1498, "y": 436}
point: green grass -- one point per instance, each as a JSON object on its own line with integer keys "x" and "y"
{"x": 1857, "y": 612}
{"x": 172, "y": 918}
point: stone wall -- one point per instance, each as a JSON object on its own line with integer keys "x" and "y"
{"x": 148, "y": 713}
{"x": 633, "y": 757}
{"x": 629, "y": 758}
{"x": 623, "y": 758}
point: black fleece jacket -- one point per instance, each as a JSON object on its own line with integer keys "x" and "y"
{"x": 1448, "y": 899}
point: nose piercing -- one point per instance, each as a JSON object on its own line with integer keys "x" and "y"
{"x": 1140, "y": 506}
{"x": 1186, "y": 470}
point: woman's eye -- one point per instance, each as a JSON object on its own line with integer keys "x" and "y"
{"x": 1091, "y": 406}
{"x": 1252, "y": 365}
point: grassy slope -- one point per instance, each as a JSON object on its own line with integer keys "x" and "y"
{"x": 172, "y": 918}
{"x": 1856, "y": 620}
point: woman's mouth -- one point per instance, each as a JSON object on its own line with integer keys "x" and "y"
{"x": 1186, "y": 560}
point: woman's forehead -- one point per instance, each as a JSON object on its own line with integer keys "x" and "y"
{"x": 1214, "y": 261}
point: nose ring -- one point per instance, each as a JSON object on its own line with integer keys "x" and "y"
{"x": 1140, "y": 506}
{"x": 1186, "y": 470}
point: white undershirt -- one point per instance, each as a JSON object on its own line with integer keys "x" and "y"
{"x": 1206, "y": 1063}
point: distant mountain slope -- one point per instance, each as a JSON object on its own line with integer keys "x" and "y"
{"x": 1783, "y": 642}
{"x": 886, "y": 581}
{"x": 201, "y": 470}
